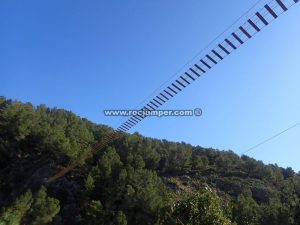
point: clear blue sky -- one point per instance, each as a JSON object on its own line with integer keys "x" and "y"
{"x": 87, "y": 56}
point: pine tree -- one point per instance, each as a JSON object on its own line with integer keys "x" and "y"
{"x": 43, "y": 209}
{"x": 120, "y": 219}
{"x": 14, "y": 214}
{"x": 94, "y": 213}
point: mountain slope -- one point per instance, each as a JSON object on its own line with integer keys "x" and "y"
{"x": 135, "y": 180}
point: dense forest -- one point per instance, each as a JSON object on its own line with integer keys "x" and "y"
{"x": 135, "y": 180}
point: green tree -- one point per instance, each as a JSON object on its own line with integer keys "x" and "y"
{"x": 143, "y": 188}
{"x": 199, "y": 162}
{"x": 94, "y": 213}
{"x": 89, "y": 183}
{"x": 36, "y": 210}
{"x": 202, "y": 208}
{"x": 43, "y": 209}
{"x": 109, "y": 162}
{"x": 179, "y": 159}
{"x": 14, "y": 214}
{"x": 120, "y": 219}
{"x": 246, "y": 209}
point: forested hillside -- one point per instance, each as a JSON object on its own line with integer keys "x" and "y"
{"x": 136, "y": 180}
